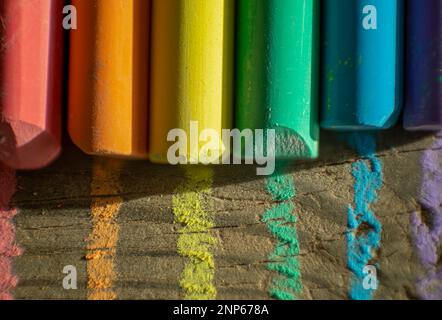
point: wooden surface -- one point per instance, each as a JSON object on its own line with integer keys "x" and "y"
{"x": 54, "y": 222}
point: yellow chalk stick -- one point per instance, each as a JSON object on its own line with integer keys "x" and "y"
{"x": 192, "y": 69}
{"x": 109, "y": 77}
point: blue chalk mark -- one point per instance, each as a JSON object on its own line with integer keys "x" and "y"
{"x": 361, "y": 243}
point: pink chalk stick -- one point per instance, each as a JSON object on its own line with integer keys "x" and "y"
{"x": 30, "y": 82}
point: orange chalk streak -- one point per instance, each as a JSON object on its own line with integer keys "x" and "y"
{"x": 103, "y": 239}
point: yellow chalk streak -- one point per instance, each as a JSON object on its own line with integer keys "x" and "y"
{"x": 193, "y": 211}
{"x": 103, "y": 239}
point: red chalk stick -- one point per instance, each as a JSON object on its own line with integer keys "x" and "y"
{"x": 30, "y": 82}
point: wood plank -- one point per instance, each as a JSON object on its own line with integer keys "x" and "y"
{"x": 54, "y": 222}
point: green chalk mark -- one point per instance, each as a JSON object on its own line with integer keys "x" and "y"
{"x": 281, "y": 221}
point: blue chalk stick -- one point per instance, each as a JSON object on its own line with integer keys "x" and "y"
{"x": 362, "y": 75}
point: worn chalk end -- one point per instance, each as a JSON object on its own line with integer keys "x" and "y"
{"x": 24, "y": 146}
{"x": 290, "y": 145}
{"x": 158, "y": 158}
{"x": 362, "y": 123}
{"x": 429, "y": 127}
{"x": 353, "y": 127}
{"x": 89, "y": 147}
{"x": 211, "y": 156}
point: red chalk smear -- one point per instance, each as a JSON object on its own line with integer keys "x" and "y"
{"x": 8, "y": 247}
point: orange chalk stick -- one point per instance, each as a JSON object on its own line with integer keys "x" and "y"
{"x": 30, "y": 82}
{"x": 109, "y": 77}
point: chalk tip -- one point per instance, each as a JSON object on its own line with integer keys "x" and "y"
{"x": 158, "y": 158}
{"x": 24, "y": 146}
{"x": 197, "y": 159}
{"x": 292, "y": 145}
{"x": 110, "y": 153}
{"x": 361, "y": 122}
{"x": 429, "y": 128}
{"x": 353, "y": 127}
{"x": 89, "y": 147}
{"x": 113, "y": 154}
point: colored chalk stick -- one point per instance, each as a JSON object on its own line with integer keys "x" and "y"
{"x": 30, "y": 80}
{"x": 277, "y": 72}
{"x": 192, "y": 71}
{"x": 362, "y": 76}
{"x": 423, "y": 100}
{"x": 108, "y": 90}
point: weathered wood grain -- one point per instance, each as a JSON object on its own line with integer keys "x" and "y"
{"x": 54, "y": 222}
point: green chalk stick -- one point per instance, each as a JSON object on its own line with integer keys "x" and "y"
{"x": 277, "y": 72}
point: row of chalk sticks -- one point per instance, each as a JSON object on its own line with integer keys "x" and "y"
{"x": 139, "y": 68}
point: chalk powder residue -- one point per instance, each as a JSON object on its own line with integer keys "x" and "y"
{"x": 428, "y": 234}
{"x": 8, "y": 247}
{"x": 364, "y": 234}
{"x": 280, "y": 220}
{"x": 193, "y": 211}
{"x": 103, "y": 239}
